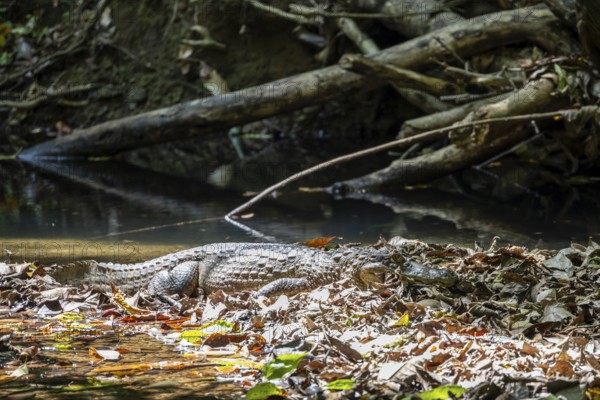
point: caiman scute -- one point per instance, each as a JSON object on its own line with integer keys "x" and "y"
{"x": 267, "y": 268}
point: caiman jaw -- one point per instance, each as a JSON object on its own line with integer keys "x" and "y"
{"x": 371, "y": 275}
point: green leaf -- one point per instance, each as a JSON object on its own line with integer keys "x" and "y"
{"x": 341, "y": 384}
{"x": 442, "y": 393}
{"x": 562, "y": 77}
{"x": 193, "y": 335}
{"x": 21, "y": 30}
{"x": 282, "y": 365}
{"x": 4, "y": 58}
{"x": 263, "y": 391}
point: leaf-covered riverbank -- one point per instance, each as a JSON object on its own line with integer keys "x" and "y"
{"x": 520, "y": 323}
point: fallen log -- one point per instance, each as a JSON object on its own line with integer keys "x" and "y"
{"x": 469, "y": 147}
{"x": 192, "y": 118}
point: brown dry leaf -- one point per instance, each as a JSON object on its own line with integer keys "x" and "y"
{"x": 345, "y": 349}
{"x": 222, "y": 340}
{"x": 561, "y": 368}
{"x": 62, "y": 128}
{"x": 424, "y": 345}
{"x": 529, "y": 350}
{"x": 29, "y": 353}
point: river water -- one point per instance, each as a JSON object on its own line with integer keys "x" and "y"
{"x": 113, "y": 211}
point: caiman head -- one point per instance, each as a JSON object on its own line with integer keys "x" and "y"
{"x": 373, "y": 267}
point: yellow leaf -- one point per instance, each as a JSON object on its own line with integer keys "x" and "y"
{"x": 69, "y": 317}
{"x": 119, "y": 300}
{"x": 403, "y": 321}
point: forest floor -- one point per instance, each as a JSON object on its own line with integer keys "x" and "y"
{"x": 520, "y": 324}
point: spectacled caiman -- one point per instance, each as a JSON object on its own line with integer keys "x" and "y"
{"x": 267, "y": 268}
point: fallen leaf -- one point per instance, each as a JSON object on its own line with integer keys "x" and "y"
{"x": 319, "y": 242}
{"x": 263, "y": 391}
{"x": 341, "y": 384}
{"x": 108, "y": 355}
{"x": 283, "y": 365}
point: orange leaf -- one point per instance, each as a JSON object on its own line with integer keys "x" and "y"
{"x": 319, "y": 242}
{"x": 472, "y": 331}
{"x": 561, "y": 368}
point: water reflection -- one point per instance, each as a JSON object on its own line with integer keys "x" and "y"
{"x": 116, "y": 203}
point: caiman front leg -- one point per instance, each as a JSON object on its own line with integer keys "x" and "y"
{"x": 182, "y": 280}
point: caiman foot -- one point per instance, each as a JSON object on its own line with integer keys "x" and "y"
{"x": 182, "y": 280}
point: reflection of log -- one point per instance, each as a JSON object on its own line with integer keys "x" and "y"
{"x": 183, "y": 201}
{"x": 148, "y": 189}
{"x": 191, "y": 118}
{"x": 469, "y": 147}
{"x": 489, "y": 221}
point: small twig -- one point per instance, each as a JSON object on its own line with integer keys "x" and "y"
{"x": 315, "y": 12}
{"x": 74, "y": 47}
{"x": 11, "y": 156}
{"x": 311, "y": 11}
{"x": 280, "y": 13}
{"x": 451, "y": 51}
{"x": 474, "y": 78}
{"x": 400, "y": 77}
{"x": 206, "y": 39}
{"x": 351, "y": 29}
{"x": 511, "y": 150}
{"x": 467, "y": 97}
{"x": 172, "y": 19}
{"x": 431, "y": 135}
{"x": 481, "y": 167}
{"x": 47, "y": 94}
{"x": 154, "y": 228}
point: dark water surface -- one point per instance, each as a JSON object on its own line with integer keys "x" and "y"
{"x": 107, "y": 210}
